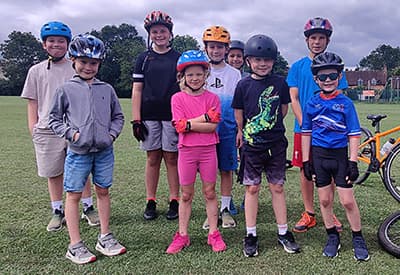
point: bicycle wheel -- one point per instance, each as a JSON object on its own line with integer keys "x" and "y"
{"x": 391, "y": 172}
{"x": 365, "y": 155}
{"x": 389, "y": 234}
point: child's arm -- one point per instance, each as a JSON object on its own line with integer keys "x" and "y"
{"x": 32, "y": 114}
{"x": 239, "y": 122}
{"x": 354, "y": 141}
{"x": 136, "y": 100}
{"x": 284, "y": 108}
{"x": 296, "y": 107}
{"x": 117, "y": 117}
{"x": 56, "y": 119}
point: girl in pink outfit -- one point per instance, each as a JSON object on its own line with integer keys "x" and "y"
{"x": 195, "y": 116}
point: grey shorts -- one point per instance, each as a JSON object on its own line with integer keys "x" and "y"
{"x": 50, "y": 152}
{"x": 162, "y": 135}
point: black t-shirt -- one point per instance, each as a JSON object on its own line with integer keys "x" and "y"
{"x": 157, "y": 72}
{"x": 261, "y": 102}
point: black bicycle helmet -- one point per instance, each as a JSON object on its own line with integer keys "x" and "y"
{"x": 236, "y": 44}
{"x": 261, "y": 46}
{"x": 327, "y": 60}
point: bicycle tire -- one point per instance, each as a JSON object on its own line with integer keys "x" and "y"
{"x": 391, "y": 173}
{"x": 367, "y": 151}
{"x": 389, "y": 234}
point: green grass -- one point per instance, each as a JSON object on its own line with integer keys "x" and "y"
{"x": 27, "y": 248}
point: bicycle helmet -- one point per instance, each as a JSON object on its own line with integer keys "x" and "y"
{"x": 158, "y": 18}
{"x": 86, "y": 45}
{"x": 318, "y": 24}
{"x": 260, "y": 45}
{"x": 55, "y": 28}
{"x": 192, "y": 57}
{"x": 236, "y": 44}
{"x": 216, "y": 34}
{"x": 326, "y": 60}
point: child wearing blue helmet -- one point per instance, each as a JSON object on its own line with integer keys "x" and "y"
{"x": 40, "y": 86}
{"x": 195, "y": 116}
{"x": 86, "y": 112}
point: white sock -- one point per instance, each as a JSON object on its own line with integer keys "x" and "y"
{"x": 282, "y": 229}
{"x": 57, "y": 205}
{"x": 86, "y": 203}
{"x": 251, "y": 230}
{"x": 225, "y": 202}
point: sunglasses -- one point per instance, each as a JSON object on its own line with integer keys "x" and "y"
{"x": 324, "y": 77}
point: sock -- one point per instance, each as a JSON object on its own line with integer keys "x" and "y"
{"x": 282, "y": 229}
{"x": 57, "y": 205}
{"x": 332, "y": 231}
{"x": 251, "y": 230}
{"x": 86, "y": 203}
{"x": 311, "y": 214}
{"x": 225, "y": 202}
{"x": 356, "y": 233}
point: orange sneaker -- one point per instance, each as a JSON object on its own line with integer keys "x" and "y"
{"x": 306, "y": 222}
{"x": 337, "y": 223}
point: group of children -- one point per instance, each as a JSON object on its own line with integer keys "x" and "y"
{"x": 196, "y": 111}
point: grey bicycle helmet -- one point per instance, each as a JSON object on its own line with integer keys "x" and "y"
{"x": 261, "y": 46}
{"x": 236, "y": 44}
{"x": 326, "y": 60}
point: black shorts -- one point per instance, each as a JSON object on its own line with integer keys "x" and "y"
{"x": 328, "y": 164}
{"x": 270, "y": 158}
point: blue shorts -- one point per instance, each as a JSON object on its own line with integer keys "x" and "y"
{"x": 227, "y": 154}
{"x": 270, "y": 158}
{"x": 78, "y": 167}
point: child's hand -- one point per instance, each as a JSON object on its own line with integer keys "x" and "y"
{"x": 75, "y": 137}
{"x": 352, "y": 171}
{"x": 308, "y": 170}
{"x": 181, "y": 125}
{"x": 139, "y": 130}
{"x": 212, "y": 116}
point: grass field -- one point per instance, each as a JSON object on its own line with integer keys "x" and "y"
{"x": 27, "y": 248}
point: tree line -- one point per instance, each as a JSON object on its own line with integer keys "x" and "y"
{"x": 22, "y": 50}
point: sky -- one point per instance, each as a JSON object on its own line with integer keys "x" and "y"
{"x": 359, "y": 26}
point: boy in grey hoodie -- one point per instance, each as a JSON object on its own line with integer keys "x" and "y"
{"x": 86, "y": 112}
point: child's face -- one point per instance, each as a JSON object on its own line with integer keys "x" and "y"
{"x": 216, "y": 51}
{"x": 328, "y": 80}
{"x": 195, "y": 76}
{"x": 260, "y": 65}
{"x": 317, "y": 43}
{"x": 235, "y": 58}
{"x": 160, "y": 35}
{"x": 85, "y": 67}
{"x": 56, "y": 46}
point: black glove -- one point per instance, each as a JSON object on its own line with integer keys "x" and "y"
{"x": 139, "y": 130}
{"x": 352, "y": 171}
{"x": 308, "y": 169}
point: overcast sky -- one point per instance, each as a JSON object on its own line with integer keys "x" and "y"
{"x": 360, "y": 26}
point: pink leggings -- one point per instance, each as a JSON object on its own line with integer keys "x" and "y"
{"x": 197, "y": 158}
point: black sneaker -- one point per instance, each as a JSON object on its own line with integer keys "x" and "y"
{"x": 288, "y": 242}
{"x": 250, "y": 246}
{"x": 150, "y": 212}
{"x": 360, "y": 249}
{"x": 332, "y": 246}
{"x": 173, "y": 210}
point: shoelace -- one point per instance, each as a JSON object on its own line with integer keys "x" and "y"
{"x": 359, "y": 243}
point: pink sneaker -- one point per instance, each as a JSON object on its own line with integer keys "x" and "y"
{"x": 178, "y": 243}
{"x": 216, "y": 241}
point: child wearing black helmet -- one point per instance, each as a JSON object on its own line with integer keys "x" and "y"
{"x": 235, "y": 56}
{"x": 317, "y": 32}
{"x": 40, "y": 86}
{"x": 331, "y": 132}
{"x": 154, "y": 83}
{"x": 260, "y": 103}
{"x": 86, "y": 112}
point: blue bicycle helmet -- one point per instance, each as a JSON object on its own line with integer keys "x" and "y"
{"x": 192, "y": 57}
{"x": 55, "y": 28}
{"x": 86, "y": 45}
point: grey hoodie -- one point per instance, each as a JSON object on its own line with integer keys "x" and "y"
{"x": 93, "y": 110}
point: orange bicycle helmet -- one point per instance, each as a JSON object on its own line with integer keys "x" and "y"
{"x": 216, "y": 34}
{"x": 158, "y": 18}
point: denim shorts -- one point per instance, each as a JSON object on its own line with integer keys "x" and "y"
{"x": 78, "y": 168}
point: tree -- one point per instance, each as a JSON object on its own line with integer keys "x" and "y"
{"x": 185, "y": 43}
{"x": 19, "y": 52}
{"x": 281, "y": 66}
{"x": 384, "y": 55}
{"x": 123, "y": 46}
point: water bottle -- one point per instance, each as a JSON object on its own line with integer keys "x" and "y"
{"x": 387, "y": 146}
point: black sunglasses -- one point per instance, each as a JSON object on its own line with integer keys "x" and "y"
{"x": 324, "y": 77}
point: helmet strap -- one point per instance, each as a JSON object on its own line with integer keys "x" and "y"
{"x": 193, "y": 90}
{"x": 53, "y": 59}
